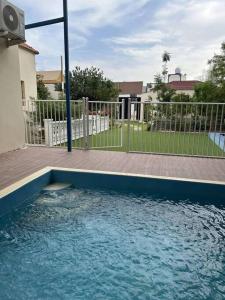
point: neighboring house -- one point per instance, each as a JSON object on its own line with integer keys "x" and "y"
{"x": 28, "y": 79}
{"x": 184, "y": 87}
{"x": 181, "y": 86}
{"x": 54, "y": 81}
{"x": 130, "y": 90}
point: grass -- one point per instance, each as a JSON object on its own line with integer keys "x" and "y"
{"x": 156, "y": 142}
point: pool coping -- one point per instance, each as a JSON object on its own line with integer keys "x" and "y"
{"x": 17, "y": 185}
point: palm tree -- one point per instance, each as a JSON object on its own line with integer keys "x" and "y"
{"x": 165, "y": 59}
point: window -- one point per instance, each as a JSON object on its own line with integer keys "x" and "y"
{"x": 23, "y": 90}
{"x": 23, "y": 93}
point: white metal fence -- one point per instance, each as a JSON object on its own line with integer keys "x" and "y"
{"x": 196, "y": 129}
{"x": 94, "y": 124}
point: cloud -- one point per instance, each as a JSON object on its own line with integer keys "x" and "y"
{"x": 190, "y": 31}
{"x": 141, "y": 38}
{"x": 126, "y": 38}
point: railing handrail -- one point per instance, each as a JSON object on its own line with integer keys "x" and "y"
{"x": 133, "y": 102}
{"x": 195, "y": 103}
{"x": 58, "y": 100}
{"x": 51, "y": 100}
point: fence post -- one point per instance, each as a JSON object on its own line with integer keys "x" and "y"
{"x": 128, "y": 129}
{"x": 84, "y": 123}
{"x": 87, "y": 116}
{"x": 122, "y": 129}
{"x": 48, "y": 132}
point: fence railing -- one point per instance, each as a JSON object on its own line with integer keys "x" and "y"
{"x": 195, "y": 129}
{"x": 94, "y": 124}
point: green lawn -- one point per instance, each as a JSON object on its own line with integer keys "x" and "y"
{"x": 158, "y": 142}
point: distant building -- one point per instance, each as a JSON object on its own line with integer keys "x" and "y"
{"x": 27, "y": 65}
{"x": 130, "y": 90}
{"x": 184, "y": 87}
{"x": 54, "y": 81}
{"x": 177, "y": 76}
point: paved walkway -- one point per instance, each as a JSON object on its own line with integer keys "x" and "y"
{"x": 19, "y": 164}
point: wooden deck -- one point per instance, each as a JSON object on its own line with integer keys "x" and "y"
{"x": 19, "y": 164}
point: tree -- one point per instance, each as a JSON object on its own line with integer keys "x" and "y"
{"x": 165, "y": 59}
{"x": 181, "y": 98}
{"x": 91, "y": 83}
{"x": 206, "y": 92}
{"x": 58, "y": 87}
{"x": 213, "y": 90}
{"x": 164, "y": 92}
{"x": 42, "y": 91}
{"x": 217, "y": 64}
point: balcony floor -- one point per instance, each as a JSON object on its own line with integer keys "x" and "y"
{"x": 21, "y": 163}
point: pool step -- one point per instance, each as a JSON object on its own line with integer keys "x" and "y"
{"x": 57, "y": 186}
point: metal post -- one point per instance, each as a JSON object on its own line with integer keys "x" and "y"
{"x": 64, "y": 20}
{"x": 84, "y": 124}
{"x": 67, "y": 70}
{"x": 128, "y": 129}
{"x": 87, "y": 117}
{"x": 123, "y": 116}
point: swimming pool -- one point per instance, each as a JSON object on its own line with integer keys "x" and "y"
{"x": 218, "y": 138}
{"x": 112, "y": 236}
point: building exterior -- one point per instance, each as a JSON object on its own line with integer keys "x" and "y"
{"x": 12, "y": 129}
{"x": 177, "y": 76}
{"x": 130, "y": 90}
{"x": 52, "y": 80}
{"x": 28, "y": 79}
{"x": 184, "y": 87}
{"x": 181, "y": 86}
{"x": 17, "y": 84}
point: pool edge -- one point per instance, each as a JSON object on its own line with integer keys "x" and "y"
{"x": 24, "y": 181}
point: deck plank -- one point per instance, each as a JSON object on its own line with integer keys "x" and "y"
{"x": 18, "y": 164}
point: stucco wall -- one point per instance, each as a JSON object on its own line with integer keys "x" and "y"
{"x": 54, "y": 94}
{"x": 12, "y": 131}
{"x": 186, "y": 92}
{"x": 28, "y": 73}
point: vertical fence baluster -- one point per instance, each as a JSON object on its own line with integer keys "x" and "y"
{"x": 215, "y": 127}
{"x": 210, "y": 129}
{"x": 128, "y": 127}
{"x": 199, "y": 130}
{"x": 221, "y": 129}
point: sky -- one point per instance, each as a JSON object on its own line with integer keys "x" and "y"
{"x": 126, "y": 38}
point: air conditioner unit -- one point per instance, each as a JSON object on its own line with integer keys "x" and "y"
{"x": 11, "y": 22}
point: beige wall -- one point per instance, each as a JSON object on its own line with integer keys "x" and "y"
{"x": 186, "y": 92}
{"x": 51, "y": 89}
{"x": 12, "y": 131}
{"x": 28, "y": 72}
{"x": 149, "y": 96}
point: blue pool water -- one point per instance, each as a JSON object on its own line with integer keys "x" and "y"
{"x": 85, "y": 244}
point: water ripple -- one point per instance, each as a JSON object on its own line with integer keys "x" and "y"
{"x": 83, "y": 244}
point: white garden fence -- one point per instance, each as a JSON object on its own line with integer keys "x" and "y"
{"x": 92, "y": 123}
{"x": 55, "y": 132}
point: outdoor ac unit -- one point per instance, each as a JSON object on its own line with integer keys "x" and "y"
{"x": 11, "y": 22}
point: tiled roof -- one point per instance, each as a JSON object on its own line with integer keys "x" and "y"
{"x": 28, "y": 48}
{"x": 51, "y": 77}
{"x": 130, "y": 87}
{"x": 183, "y": 85}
